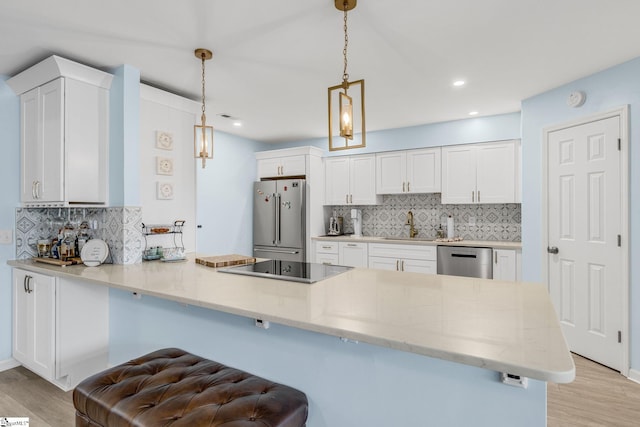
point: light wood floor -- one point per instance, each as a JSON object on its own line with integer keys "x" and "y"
{"x": 598, "y": 397}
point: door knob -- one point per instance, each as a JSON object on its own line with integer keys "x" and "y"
{"x": 552, "y": 250}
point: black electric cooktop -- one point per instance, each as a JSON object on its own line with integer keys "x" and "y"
{"x": 294, "y": 271}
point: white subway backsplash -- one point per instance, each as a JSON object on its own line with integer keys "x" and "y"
{"x": 493, "y": 222}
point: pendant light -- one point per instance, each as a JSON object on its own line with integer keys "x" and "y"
{"x": 346, "y": 100}
{"x": 203, "y": 134}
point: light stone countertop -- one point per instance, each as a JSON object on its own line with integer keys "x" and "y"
{"x": 503, "y": 326}
{"x": 419, "y": 241}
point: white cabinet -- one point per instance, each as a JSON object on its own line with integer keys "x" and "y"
{"x": 353, "y": 254}
{"x": 505, "y": 265}
{"x": 34, "y": 322}
{"x": 282, "y": 166}
{"x": 412, "y": 171}
{"x": 327, "y": 253}
{"x": 479, "y": 173}
{"x": 60, "y": 327}
{"x": 413, "y": 258}
{"x": 351, "y": 180}
{"x": 64, "y": 126}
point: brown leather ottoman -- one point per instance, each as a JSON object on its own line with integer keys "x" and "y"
{"x": 171, "y": 387}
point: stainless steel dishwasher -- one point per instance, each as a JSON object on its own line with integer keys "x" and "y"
{"x": 465, "y": 261}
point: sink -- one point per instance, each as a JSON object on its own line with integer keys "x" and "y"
{"x": 411, "y": 239}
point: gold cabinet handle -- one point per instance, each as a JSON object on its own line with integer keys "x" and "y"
{"x": 403, "y": 187}
{"x": 478, "y": 196}
{"x": 408, "y": 187}
{"x": 397, "y": 265}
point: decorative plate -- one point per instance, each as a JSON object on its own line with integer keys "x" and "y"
{"x": 164, "y": 165}
{"x": 164, "y": 140}
{"x": 164, "y": 191}
{"x": 94, "y": 252}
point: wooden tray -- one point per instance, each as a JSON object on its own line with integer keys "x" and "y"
{"x": 53, "y": 261}
{"x": 225, "y": 260}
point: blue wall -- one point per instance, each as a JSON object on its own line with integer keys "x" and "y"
{"x": 480, "y": 129}
{"x": 605, "y": 91}
{"x": 224, "y": 196}
{"x": 347, "y": 384}
{"x": 9, "y": 176}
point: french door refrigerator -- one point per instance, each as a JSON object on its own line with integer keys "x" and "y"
{"x": 279, "y": 219}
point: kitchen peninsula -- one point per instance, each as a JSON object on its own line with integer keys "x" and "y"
{"x": 469, "y": 329}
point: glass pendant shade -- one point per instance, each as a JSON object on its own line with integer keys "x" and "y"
{"x": 203, "y": 142}
{"x": 346, "y": 116}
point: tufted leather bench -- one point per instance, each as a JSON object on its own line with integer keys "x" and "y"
{"x": 171, "y": 387}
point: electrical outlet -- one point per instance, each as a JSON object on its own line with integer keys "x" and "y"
{"x": 263, "y": 324}
{"x": 6, "y": 237}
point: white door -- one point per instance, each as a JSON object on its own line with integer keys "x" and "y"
{"x": 584, "y": 224}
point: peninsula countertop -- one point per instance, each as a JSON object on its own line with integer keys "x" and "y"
{"x": 495, "y": 244}
{"x": 503, "y": 326}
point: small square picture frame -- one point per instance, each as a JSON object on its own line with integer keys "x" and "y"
{"x": 164, "y": 140}
{"x": 164, "y": 190}
{"x": 164, "y": 165}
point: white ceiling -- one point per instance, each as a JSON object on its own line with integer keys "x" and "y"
{"x": 273, "y": 60}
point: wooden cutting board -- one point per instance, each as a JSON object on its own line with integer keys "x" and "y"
{"x": 54, "y": 261}
{"x": 225, "y": 260}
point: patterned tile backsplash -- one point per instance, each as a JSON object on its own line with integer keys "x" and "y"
{"x": 494, "y": 222}
{"x": 119, "y": 227}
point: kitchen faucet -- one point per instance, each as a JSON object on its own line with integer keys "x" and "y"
{"x": 412, "y": 230}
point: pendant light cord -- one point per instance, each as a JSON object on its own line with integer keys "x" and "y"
{"x": 203, "y": 118}
{"x": 345, "y": 75}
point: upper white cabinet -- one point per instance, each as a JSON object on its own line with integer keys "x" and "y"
{"x": 479, "y": 173}
{"x": 64, "y": 127}
{"x": 282, "y": 166}
{"x": 412, "y": 171}
{"x": 350, "y": 180}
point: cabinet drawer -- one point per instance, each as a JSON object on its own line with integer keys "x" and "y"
{"x": 427, "y": 253}
{"x": 327, "y": 247}
{"x": 332, "y": 259}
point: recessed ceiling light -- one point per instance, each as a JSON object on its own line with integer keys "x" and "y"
{"x": 473, "y": 113}
{"x": 459, "y": 83}
{"x": 237, "y": 124}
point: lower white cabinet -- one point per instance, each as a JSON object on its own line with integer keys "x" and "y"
{"x": 505, "y": 265}
{"x": 353, "y": 254}
{"x": 327, "y": 253}
{"x": 413, "y": 258}
{"x": 60, "y": 327}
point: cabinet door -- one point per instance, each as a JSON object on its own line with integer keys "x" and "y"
{"x": 382, "y": 263}
{"x": 419, "y": 266}
{"x": 423, "y": 171}
{"x": 293, "y": 166}
{"x": 31, "y": 145}
{"x": 268, "y": 168}
{"x": 391, "y": 173}
{"x": 85, "y": 142}
{"x": 52, "y": 149}
{"x": 362, "y": 180}
{"x": 504, "y": 265}
{"x": 353, "y": 254}
{"x": 33, "y": 328}
{"x": 458, "y": 174}
{"x": 336, "y": 181}
{"x": 496, "y": 173}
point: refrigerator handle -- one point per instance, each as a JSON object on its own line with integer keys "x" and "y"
{"x": 277, "y": 200}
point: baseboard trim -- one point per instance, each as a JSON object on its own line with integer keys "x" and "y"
{"x": 5, "y": 365}
{"x": 634, "y": 375}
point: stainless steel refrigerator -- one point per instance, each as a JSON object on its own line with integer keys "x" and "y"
{"x": 279, "y": 219}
